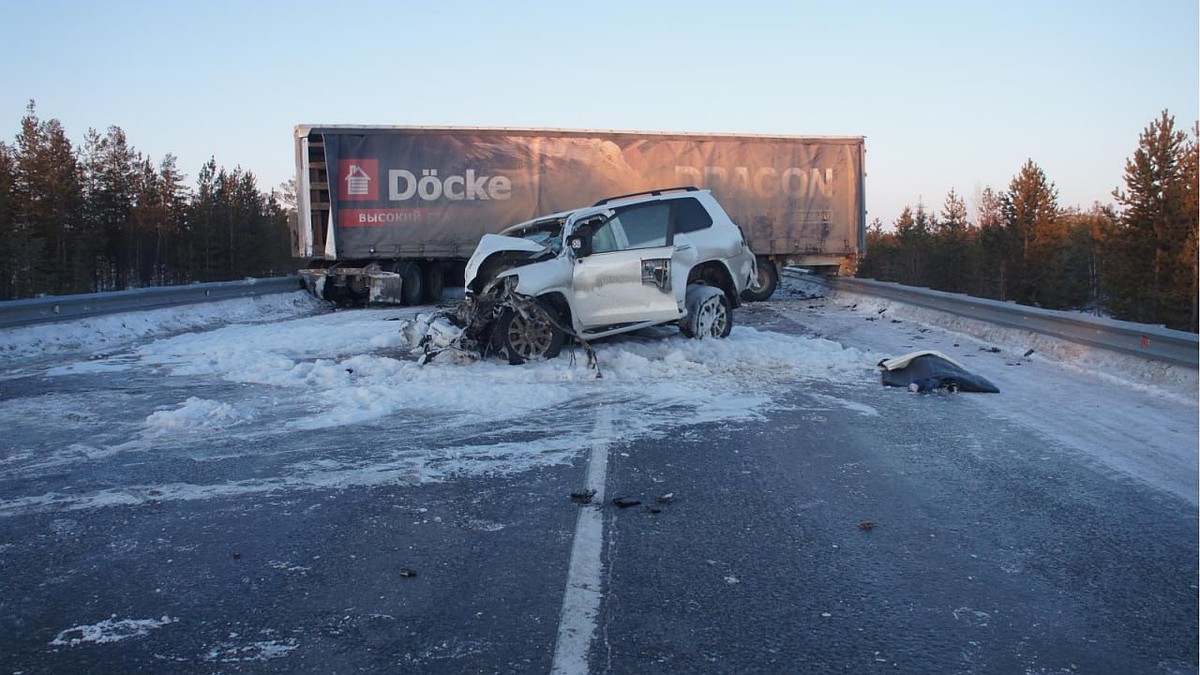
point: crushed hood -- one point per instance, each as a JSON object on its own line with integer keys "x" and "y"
{"x": 493, "y": 243}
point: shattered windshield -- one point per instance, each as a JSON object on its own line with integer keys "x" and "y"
{"x": 548, "y": 233}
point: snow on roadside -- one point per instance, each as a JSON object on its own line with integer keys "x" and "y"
{"x": 117, "y": 331}
{"x": 1130, "y": 415}
{"x": 351, "y": 371}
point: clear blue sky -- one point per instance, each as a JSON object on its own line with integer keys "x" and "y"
{"x": 949, "y": 94}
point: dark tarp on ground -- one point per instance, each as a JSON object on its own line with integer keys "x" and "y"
{"x": 932, "y": 370}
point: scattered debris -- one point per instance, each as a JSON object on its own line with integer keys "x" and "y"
{"x": 583, "y": 496}
{"x": 407, "y": 572}
{"x": 866, "y": 525}
{"x": 931, "y": 370}
{"x": 626, "y": 502}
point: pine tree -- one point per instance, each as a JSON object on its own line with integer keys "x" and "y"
{"x": 1030, "y": 210}
{"x": 113, "y": 171}
{"x": 8, "y": 232}
{"x": 172, "y": 199}
{"x": 912, "y": 230}
{"x": 203, "y": 237}
{"x": 47, "y": 193}
{"x": 950, "y": 268}
{"x": 880, "y": 260}
{"x": 995, "y": 246}
{"x": 1152, "y": 275}
{"x": 1187, "y": 280}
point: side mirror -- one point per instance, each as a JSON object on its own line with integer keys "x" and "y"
{"x": 580, "y": 244}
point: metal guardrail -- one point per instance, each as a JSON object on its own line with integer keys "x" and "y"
{"x": 1151, "y": 342}
{"x": 15, "y": 313}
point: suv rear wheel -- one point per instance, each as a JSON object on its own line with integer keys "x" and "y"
{"x": 713, "y": 319}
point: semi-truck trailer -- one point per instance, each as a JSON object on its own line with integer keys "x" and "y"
{"x": 390, "y": 214}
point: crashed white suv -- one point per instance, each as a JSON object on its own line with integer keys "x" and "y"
{"x": 623, "y": 264}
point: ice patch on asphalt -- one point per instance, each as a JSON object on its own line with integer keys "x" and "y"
{"x": 108, "y": 631}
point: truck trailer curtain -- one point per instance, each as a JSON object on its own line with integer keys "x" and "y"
{"x": 446, "y": 188}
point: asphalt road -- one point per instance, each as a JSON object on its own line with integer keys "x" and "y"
{"x": 850, "y": 530}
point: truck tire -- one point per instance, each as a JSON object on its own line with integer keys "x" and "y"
{"x": 435, "y": 281}
{"x": 765, "y": 283}
{"x": 410, "y": 275}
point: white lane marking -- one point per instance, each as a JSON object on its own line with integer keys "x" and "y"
{"x": 581, "y": 602}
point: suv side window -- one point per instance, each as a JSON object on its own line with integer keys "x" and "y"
{"x": 690, "y": 215}
{"x": 641, "y": 226}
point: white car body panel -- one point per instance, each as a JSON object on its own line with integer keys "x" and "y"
{"x": 607, "y": 290}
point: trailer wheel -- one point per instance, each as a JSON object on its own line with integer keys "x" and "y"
{"x": 410, "y": 275}
{"x": 765, "y": 283}
{"x": 435, "y": 281}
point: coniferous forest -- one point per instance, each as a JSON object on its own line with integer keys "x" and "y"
{"x": 1136, "y": 261}
{"x": 103, "y": 217}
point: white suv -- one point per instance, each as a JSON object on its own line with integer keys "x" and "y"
{"x": 623, "y": 264}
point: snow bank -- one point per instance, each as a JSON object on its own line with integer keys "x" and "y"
{"x": 117, "y": 331}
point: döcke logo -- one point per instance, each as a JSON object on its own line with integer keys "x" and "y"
{"x": 404, "y": 185}
{"x": 359, "y": 180}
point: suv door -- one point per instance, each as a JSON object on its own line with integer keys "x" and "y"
{"x": 627, "y": 276}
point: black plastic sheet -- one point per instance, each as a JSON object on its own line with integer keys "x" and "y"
{"x": 932, "y": 371}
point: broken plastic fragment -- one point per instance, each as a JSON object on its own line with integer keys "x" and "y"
{"x": 583, "y": 496}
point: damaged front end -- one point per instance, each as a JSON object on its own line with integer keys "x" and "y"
{"x": 497, "y": 321}
{"x": 463, "y": 333}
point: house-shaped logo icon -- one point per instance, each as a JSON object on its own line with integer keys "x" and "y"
{"x": 359, "y": 179}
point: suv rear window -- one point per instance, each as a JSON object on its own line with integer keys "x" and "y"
{"x": 690, "y": 215}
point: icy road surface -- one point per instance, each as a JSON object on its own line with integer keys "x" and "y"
{"x": 266, "y": 486}
{"x": 281, "y": 368}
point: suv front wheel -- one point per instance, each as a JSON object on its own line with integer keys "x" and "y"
{"x": 526, "y": 336}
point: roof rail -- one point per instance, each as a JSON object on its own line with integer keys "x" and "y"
{"x": 685, "y": 188}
